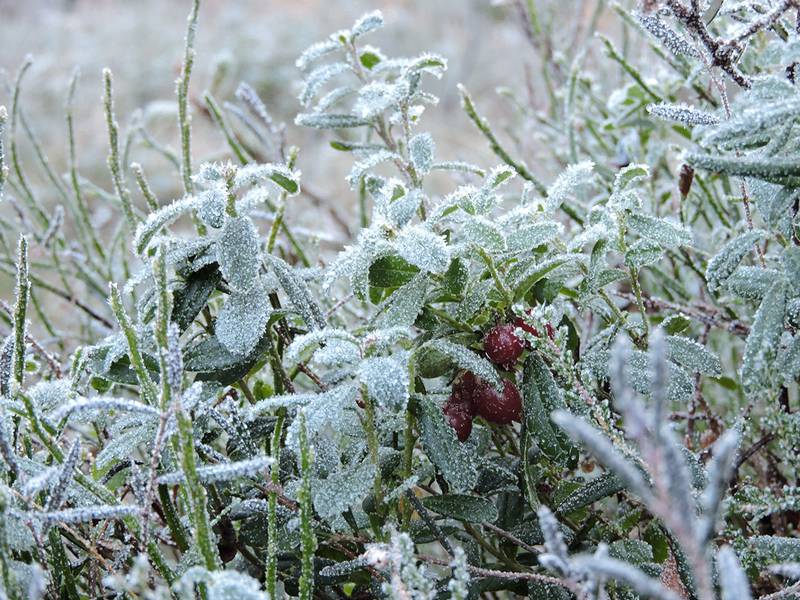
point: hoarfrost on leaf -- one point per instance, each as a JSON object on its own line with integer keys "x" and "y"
{"x": 423, "y": 248}
{"x": 242, "y": 320}
{"x": 387, "y": 381}
{"x": 239, "y": 253}
{"x": 422, "y": 150}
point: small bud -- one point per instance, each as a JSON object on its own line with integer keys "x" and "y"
{"x": 685, "y": 180}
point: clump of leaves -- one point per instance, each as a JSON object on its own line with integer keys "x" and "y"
{"x": 500, "y": 386}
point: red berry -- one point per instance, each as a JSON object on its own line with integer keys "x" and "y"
{"x": 464, "y": 391}
{"x": 502, "y": 345}
{"x": 459, "y": 416}
{"x": 501, "y": 408}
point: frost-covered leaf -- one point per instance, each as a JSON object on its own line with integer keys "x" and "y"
{"x": 318, "y": 78}
{"x": 242, "y": 320}
{"x": 629, "y": 175}
{"x": 455, "y": 460}
{"x": 147, "y": 230}
{"x": 298, "y": 292}
{"x": 387, "y": 382}
{"x": 472, "y": 509}
{"x": 728, "y": 258}
{"x": 483, "y": 233}
{"x": 662, "y": 231}
{"x": 783, "y": 170}
{"x": 467, "y": 360}
{"x": 734, "y": 584}
{"x": 603, "y": 449}
{"x": 346, "y": 344}
{"x": 211, "y": 207}
{"x": 762, "y": 343}
{"x": 404, "y": 305}
{"x": 627, "y": 574}
{"x": 682, "y": 113}
{"x": 220, "y": 472}
{"x": 366, "y": 23}
{"x": 239, "y": 253}
{"x": 361, "y": 168}
{"x": 568, "y": 183}
{"x": 529, "y": 237}
{"x": 391, "y": 272}
{"x": 315, "y": 52}
{"x": 693, "y": 356}
{"x": 255, "y": 173}
{"x": 668, "y": 38}
{"x": 421, "y": 247}
{"x": 421, "y": 149}
{"x": 329, "y": 121}
{"x": 376, "y": 97}
{"x": 340, "y": 490}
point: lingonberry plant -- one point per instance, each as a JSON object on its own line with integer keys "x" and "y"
{"x": 500, "y": 388}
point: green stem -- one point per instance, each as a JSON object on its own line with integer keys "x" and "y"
{"x": 272, "y": 514}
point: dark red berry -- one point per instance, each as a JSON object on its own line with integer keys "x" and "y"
{"x": 464, "y": 391}
{"x": 459, "y": 416}
{"x": 501, "y": 408}
{"x": 502, "y": 345}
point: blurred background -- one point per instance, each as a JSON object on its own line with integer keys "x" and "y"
{"x": 258, "y": 41}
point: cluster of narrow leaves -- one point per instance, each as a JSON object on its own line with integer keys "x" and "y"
{"x": 583, "y": 389}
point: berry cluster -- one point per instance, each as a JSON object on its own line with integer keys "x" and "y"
{"x": 473, "y": 396}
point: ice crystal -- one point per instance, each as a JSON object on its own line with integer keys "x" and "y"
{"x": 220, "y": 472}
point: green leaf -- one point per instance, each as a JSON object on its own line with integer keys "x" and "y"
{"x": 456, "y": 277}
{"x": 455, "y": 460}
{"x": 467, "y": 360}
{"x": 728, "y": 258}
{"x": 784, "y": 170}
{"x": 391, "y": 272}
{"x": 630, "y": 174}
{"x": 661, "y": 231}
{"x": 190, "y": 299}
{"x": 693, "y": 356}
{"x": 541, "y": 397}
{"x": 213, "y": 362}
{"x": 472, "y": 509}
{"x": 603, "y": 486}
{"x": 762, "y": 343}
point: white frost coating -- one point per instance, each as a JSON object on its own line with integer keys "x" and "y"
{"x": 693, "y": 356}
{"x": 376, "y": 97}
{"x": 239, "y": 253}
{"x": 366, "y": 23}
{"x": 467, "y": 360}
{"x": 318, "y": 78}
{"x": 211, "y": 206}
{"x": 147, "y": 229}
{"x": 422, "y": 150}
{"x": 423, "y": 248}
{"x": 242, "y": 320}
{"x": 220, "y": 472}
{"x": 387, "y": 381}
{"x": 339, "y": 491}
{"x": 682, "y": 113}
{"x": 300, "y": 346}
{"x": 405, "y": 304}
{"x": 567, "y": 183}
